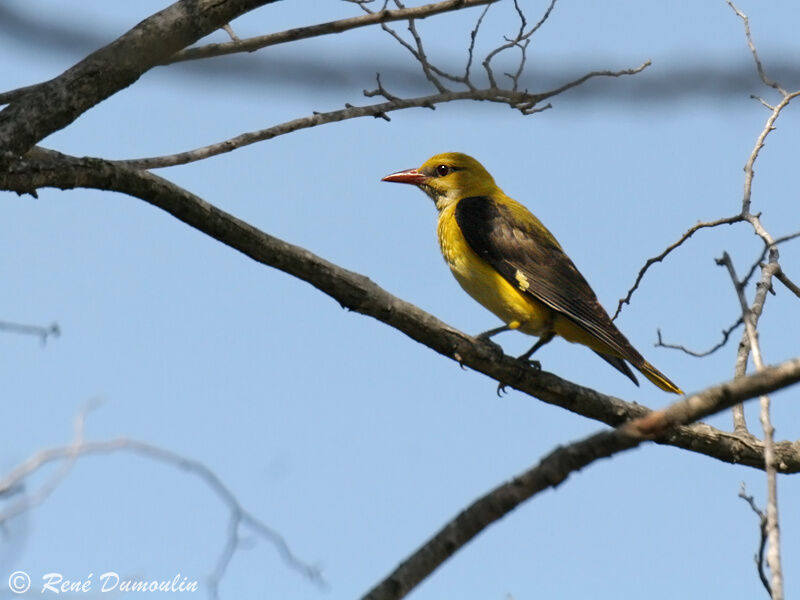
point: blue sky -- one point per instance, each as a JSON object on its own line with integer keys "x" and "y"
{"x": 351, "y": 440}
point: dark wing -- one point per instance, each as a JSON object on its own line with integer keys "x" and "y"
{"x": 513, "y": 241}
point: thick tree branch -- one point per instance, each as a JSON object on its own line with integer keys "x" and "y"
{"x": 556, "y": 467}
{"x": 55, "y": 104}
{"x": 44, "y": 168}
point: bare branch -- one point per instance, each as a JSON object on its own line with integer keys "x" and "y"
{"x": 419, "y": 53}
{"x": 744, "y": 214}
{"x": 526, "y": 106}
{"x": 551, "y": 471}
{"x": 748, "y": 168}
{"x": 522, "y": 101}
{"x": 30, "y": 117}
{"x": 726, "y": 333}
{"x": 67, "y": 455}
{"x": 300, "y": 33}
{"x": 55, "y": 104}
{"x": 352, "y": 112}
{"x": 519, "y": 41}
{"x": 593, "y": 74}
{"x": 41, "y": 332}
{"x": 541, "y": 21}
{"x": 651, "y": 261}
{"x": 790, "y": 285}
{"x": 763, "y": 255}
{"x": 290, "y": 35}
{"x": 45, "y": 168}
{"x": 762, "y": 75}
{"x": 770, "y": 247}
{"x": 750, "y": 316}
{"x": 762, "y": 526}
{"x": 229, "y": 30}
{"x": 471, "y": 49}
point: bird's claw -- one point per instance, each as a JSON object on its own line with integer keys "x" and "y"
{"x": 534, "y": 364}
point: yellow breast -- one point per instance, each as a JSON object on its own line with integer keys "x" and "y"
{"x": 487, "y": 286}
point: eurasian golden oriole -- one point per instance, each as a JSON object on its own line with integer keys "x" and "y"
{"x": 504, "y": 257}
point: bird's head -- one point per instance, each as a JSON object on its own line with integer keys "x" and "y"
{"x": 448, "y": 178}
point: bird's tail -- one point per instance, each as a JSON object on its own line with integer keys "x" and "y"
{"x": 619, "y": 364}
{"x": 658, "y": 378}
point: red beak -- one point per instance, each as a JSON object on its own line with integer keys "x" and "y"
{"x": 408, "y": 176}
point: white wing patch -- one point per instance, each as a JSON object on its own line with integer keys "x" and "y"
{"x": 523, "y": 282}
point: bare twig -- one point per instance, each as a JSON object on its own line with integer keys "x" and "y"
{"x": 658, "y": 258}
{"x": 790, "y": 285}
{"x": 229, "y": 30}
{"x": 418, "y": 53}
{"x": 465, "y": 79}
{"x": 762, "y": 75}
{"x": 417, "y": 50}
{"x": 528, "y": 105}
{"x": 519, "y": 41}
{"x": 41, "y": 332}
{"x": 762, "y": 526}
{"x": 726, "y": 333}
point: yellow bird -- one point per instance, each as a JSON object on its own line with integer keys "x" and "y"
{"x": 504, "y": 257}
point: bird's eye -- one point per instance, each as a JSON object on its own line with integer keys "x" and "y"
{"x": 442, "y": 170}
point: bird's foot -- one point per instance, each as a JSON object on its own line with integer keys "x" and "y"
{"x": 534, "y": 364}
